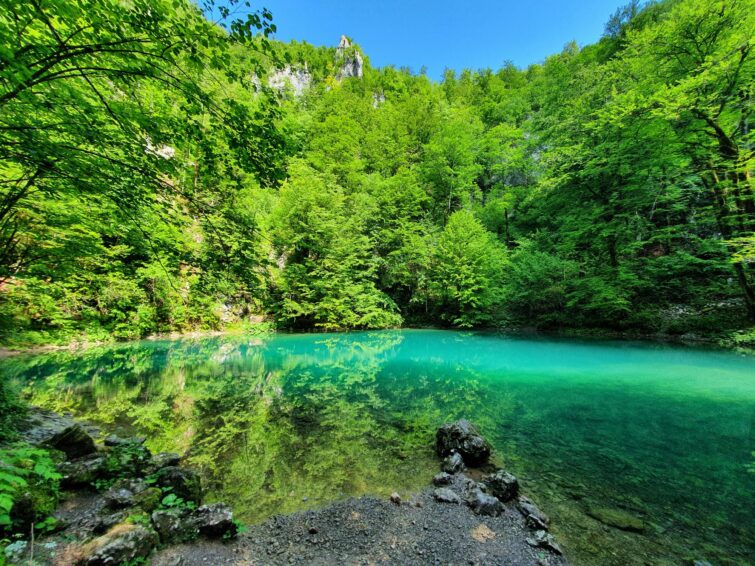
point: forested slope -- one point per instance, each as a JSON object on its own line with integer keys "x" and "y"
{"x": 159, "y": 173}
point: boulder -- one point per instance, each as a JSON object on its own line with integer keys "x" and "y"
{"x": 181, "y": 481}
{"x": 175, "y": 525}
{"x": 123, "y": 543}
{"x": 215, "y": 521}
{"x": 462, "y": 437}
{"x": 104, "y": 522}
{"x": 503, "y": 485}
{"x": 163, "y": 460}
{"x": 149, "y": 499}
{"x": 534, "y": 518}
{"x": 82, "y": 471}
{"x": 484, "y": 504}
{"x": 115, "y": 440}
{"x": 72, "y": 440}
{"x": 124, "y": 493}
{"x": 543, "y": 539}
{"x": 453, "y": 464}
{"x": 445, "y": 495}
{"x": 443, "y": 478}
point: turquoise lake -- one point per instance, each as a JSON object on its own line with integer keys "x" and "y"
{"x": 281, "y": 422}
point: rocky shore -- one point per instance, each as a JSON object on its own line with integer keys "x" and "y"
{"x": 123, "y": 505}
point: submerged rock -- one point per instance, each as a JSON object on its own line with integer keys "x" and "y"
{"x": 503, "y": 485}
{"x": 124, "y": 543}
{"x": 534, "y": 518}
{"x": 484, "y": 504}
{"x": 445, "y": 495}
{"x": 453, "y": 464}
{"x": 462, "y": 437}
{"x": 616, "y": 518}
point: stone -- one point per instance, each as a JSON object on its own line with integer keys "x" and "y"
{"x": 184, "y": 483}
{"x": 163, "y": 460}
{"x": 104, "y": 522}
{"x": 534, "y": 518}
{"x": 82, "y": 471}
{"x": 149, "y": 499}
{"x": 124, "y": 543}
{"x": 123, "y": 493}
{"x": 445, "y": 495}
{"x": 115, "y": 440}
{"x": 543, "y": 539}
{"x": 73, "y": 440}
{"x": 503, "y": 485}
{"x": 453, "y": 464}
{"x": 443, "y": 478}
{"x": 215, "y": 521}
{"x": 175, "y": 525}
{"x": 484, "y": 504}
{"x": 396, "y": 498}
{"x": 462, "y": 437}
{"x": 616, "y": 518}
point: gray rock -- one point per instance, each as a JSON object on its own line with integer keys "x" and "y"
{"x": 543, "y": 539}
{"x": 396, "y": 498}
{"x": 443, "y": 478}
{"x": 123, "y": 494}
{"x": 215, "y": 521}
{"x": 104, "y": 522}
{"x": 616, "y": 518}
{"x": 82, "y": 471}
{"x": 484, "y": 504}
{"x": 175, "y": 525}
{"x": 534, "y": 518}
{"x": 445, "y": 495}
{"x": 453, "y": 464}
{"x": 73, "y": 440}
{"x": 122, "y": 544}
{"x": 183, "y": 482}
{"x": 163, "y": 460}
{"x": 503, "y": 485}
{"x": 115, "y": 440}
{"x": 462, "y": 437}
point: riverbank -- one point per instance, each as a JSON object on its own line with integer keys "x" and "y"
{"x": 122, "y": 504}
{"x": 742, "y": 340}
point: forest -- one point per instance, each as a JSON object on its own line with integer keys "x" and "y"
{"x": 168, "y": 167}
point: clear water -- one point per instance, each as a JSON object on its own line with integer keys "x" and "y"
{"x": 284, "y": 422}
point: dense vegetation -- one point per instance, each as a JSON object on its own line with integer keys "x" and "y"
{"x": 151, "y": 180}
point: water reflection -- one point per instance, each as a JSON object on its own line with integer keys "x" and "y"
{"x": 282, "y": 422}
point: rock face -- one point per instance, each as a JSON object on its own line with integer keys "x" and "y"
{"x": 543, "y": 539}
{"x": 215, "y": 521}
{"x": 462, "y": 437}
{"x": 352, "y": 64}
{"x": 122, "y": 544}
{"x": 184, "y": 483}
{"x": 503, "y": 485}
{"x": 288, "y": 78}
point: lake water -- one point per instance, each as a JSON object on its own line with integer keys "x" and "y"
{"x": 288, "y": 421}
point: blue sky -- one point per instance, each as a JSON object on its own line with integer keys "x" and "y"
{"x": 444, "y": 33}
